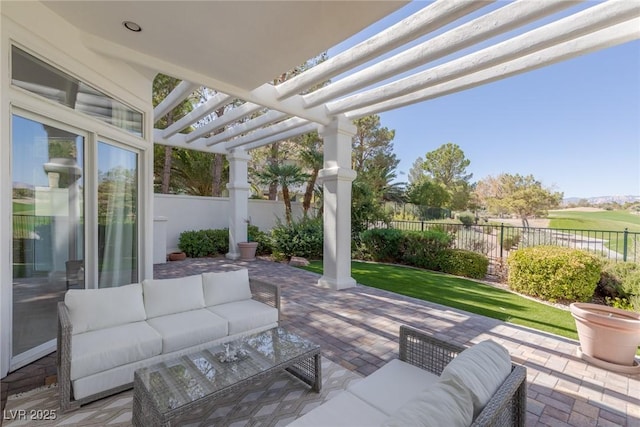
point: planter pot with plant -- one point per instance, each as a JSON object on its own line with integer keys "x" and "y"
{"x": 248, "y": 248}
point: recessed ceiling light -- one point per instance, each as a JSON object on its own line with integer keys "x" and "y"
{"x": 132, "y": 26}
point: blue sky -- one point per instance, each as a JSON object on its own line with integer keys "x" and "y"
{"x": 574, "y": 125}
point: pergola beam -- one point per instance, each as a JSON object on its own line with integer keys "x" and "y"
{"x": 499, "y": 21}
{"x": 571, "y": 27}
{"x": 420, "y": 23}
{"x": 201, "y": 111}
{"x": 248, "y": 126}
{"x": 177, "y": 95}
{"x": 310, "y": 127}
{"x": 266, "y": 132}
{"x": 608, "y": 37}
{"x": 178, "y": 141}
{"x": 236, "y": 114}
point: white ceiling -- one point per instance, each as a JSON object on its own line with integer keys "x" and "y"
{"x": 242, "y": 43}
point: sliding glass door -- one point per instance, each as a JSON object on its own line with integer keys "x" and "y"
{"x": 48, "y": 227}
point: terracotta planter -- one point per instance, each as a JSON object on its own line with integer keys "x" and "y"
{"x": 247, "y": 250}
{"x": 607, "y": 333}
{"x": 177, "y": 256}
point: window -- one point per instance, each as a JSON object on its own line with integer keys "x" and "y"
{"x": 36, "y": 76}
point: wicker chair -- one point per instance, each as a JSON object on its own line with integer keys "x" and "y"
{"x": 506, "y": 408}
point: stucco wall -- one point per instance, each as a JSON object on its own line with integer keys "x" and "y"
{"x": 185, "y": 213}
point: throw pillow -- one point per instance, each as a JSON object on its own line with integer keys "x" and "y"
{"x": 226, "y": 286}
{"x": 482, "y": 368}
{"x": 447, "y": 403}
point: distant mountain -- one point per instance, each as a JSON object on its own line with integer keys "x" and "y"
{"x": 601, "y": 200}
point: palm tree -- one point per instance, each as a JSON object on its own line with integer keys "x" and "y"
{"x": 284, "y": 175}
{"x": 312, "y": 158}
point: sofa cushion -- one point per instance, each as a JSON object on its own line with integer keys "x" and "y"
{"x": 168, "y": 296}
{"x": 189, "y": 328}
{"x": 102, "y": 349}
{"x": 343, "y": 410}
{"x": 246, "y": 315}
{"x": 92, "y": 309}
{"x": 446, "y": 403}
{"x": 482, "y": 368}
{"x": 226, "y": 286}
{"x": 393, "y": 385}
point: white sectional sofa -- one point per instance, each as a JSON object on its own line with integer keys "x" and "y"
{"x": 104, "y": 335}
{"x": 433, "y": 383}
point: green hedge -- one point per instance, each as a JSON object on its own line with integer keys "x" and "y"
{"x": 554, "y": 273}
{"x": 300, "y": 238}
{"x": 204, "y": 242}
{"x": 424, "y": 249}
{"x": 465, "y": 263}
{"x": 382, "y": 244}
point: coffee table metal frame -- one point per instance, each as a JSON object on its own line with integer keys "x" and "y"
{"x": 305, "y": 366}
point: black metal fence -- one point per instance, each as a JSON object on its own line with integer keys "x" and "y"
{"x": 496, "y": 241}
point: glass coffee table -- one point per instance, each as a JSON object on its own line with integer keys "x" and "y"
{"x": 162, "y": 393}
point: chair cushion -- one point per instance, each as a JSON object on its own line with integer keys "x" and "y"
{"x": 482, "y": 368}
{"x": 226, "y": 286}
{"x": 182, "y": 330}
{"x": 245, "y": 315}
{"x": 393, "y": 385}
{"x": 343, "y": 410}
{"x": 168, "y": 296}
{"x": 102, "y": 349}
{"x": 446, "y": 403}
{"x": 92, "y": 309}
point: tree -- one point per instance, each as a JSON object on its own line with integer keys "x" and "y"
{"x": 370, "y": 142}
{"x": 447, "y": 166}
{"x": 191, "y": 172}
{"x": 285, "y": 176}
{"x": 417, "y": 172}
{"x": 163, "y": 156}
{"x": 311, "y": 157}
{"x": 517, "y": 194}
{"x": 429, "y": 197}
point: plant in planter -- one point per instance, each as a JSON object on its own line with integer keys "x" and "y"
{"x": 248, "y": 248}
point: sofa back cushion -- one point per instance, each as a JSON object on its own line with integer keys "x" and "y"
{"x": 446, "y": 403}
{"x": 226, "y": 286}
{"x": 92, "y": 309}
{"x": 169, "y": 296}
{"x": 482, "y": 368}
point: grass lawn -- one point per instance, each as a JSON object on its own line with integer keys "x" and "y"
{"x": 595, "y": 220}
{"x": 463, "y": 294}
{"x": 600, "y": 221}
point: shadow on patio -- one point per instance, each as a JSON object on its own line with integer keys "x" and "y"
{"x": 358, "y": 329}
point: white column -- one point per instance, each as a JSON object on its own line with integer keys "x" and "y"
{"x": 336, "y": 177}
{"x": 238, "y": 200}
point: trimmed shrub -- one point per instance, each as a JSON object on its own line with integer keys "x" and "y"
{"x": 204, "y": 242}
{"x": 300, "y": 238}
{"x": 382, "y": 244}
{"x": 467, "y": 219}
{"x": 511, "y": 241}
{"x": 464, "y": 263}
{"x": 614, "y": 274}
{"x": 424, "y": 249}
{"x": 554, "y": 273}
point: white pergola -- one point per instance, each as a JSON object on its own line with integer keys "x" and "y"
{"x": 446, "y": 47}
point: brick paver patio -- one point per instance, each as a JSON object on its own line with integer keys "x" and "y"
{"x": 358, "y": 328}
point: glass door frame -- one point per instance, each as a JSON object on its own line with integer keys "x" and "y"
{"x": 73, "y": 122}
{"x": 44, "y": 348}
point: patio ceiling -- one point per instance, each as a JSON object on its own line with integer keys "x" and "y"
{"x": 238, "y": 48}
